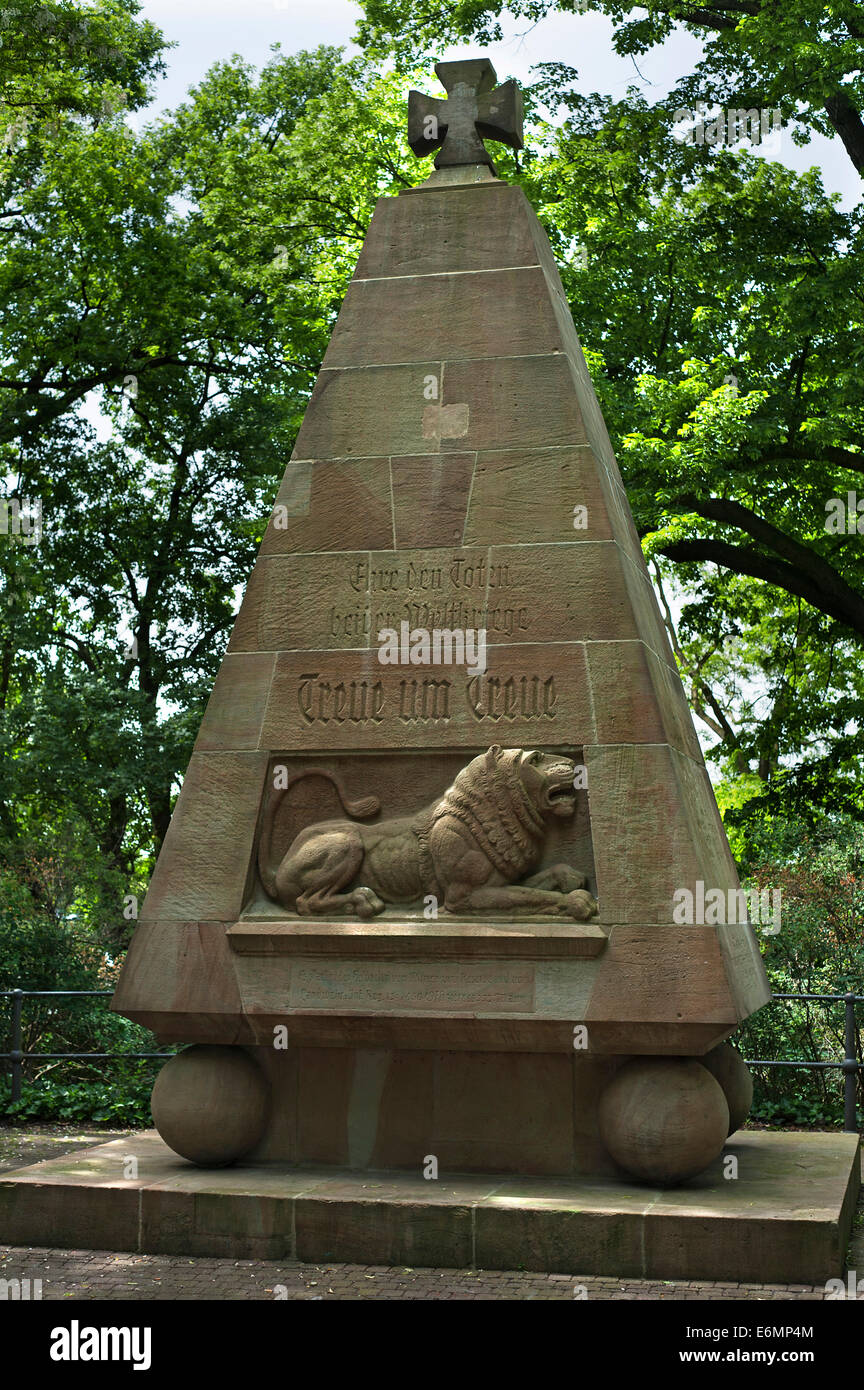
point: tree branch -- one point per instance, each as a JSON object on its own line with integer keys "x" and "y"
{"x": 740, "y": 559}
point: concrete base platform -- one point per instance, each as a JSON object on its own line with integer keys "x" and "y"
{"x": 785, "y": 1218}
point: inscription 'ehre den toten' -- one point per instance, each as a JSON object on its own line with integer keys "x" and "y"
{"x": 464, "y": 591}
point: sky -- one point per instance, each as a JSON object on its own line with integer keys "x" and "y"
{"x": 206, "y": 31}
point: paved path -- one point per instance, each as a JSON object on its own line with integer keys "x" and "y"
{"x": 76, "y": 1275}
{"x": 88, "y": 1274}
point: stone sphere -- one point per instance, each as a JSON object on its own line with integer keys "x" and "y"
{"x": 728, "y": 1067}
{"x": 663, "y": 1119}
{"x": 210, "y": 1104}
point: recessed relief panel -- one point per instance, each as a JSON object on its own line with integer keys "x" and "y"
{"x": 487, "y": 833}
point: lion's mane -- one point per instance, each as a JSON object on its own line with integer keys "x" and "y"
{"x": 489, "y": 799}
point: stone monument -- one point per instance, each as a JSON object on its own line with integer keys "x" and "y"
{"x": 418, "y": 893}
{"x": 417, "y": 916}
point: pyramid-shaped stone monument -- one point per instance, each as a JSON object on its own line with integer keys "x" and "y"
{"x": 421, "y": 893}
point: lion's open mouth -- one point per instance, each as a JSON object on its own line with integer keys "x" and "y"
{"x": 562, "y": 795}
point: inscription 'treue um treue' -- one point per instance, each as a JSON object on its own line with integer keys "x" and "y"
{"x": 427, "y": 698}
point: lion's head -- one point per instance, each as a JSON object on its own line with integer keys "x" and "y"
{"x": 503, "y": 797}
{"x": 546, "y": 778}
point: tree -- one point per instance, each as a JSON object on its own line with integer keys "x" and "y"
{"x": 720, "y": 299}
{"x": 74, "y": 58}
{"x": 201, "y": 263}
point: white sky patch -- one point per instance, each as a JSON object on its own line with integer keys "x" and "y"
{"x": 91, "y": 411}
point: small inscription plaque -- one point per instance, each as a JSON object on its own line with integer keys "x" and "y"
{"x": 423, "y": 987}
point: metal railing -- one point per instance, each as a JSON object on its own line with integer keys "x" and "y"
{"x": 17, "y": 1056}
{"x": 850, "y": 1066}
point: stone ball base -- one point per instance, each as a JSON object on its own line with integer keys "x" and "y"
{"x": 663, "y": 1119}
{"x": 210, "y": 1104}
{"x": 728, "y": 1067}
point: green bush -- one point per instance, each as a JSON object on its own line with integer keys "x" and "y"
{"x": 123, "y": 1105}
{"x": 818, "y": 950}
{"x": 37, "y": 951}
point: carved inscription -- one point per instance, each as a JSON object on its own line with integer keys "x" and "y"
{"x": 517, "y": 697}
{"x": 326, "y": 702}
{"x": 466, "y": 592}
{"x": 426, "y": 699}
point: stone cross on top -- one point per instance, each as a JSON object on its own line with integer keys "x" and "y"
{"x": 474, "y": 110}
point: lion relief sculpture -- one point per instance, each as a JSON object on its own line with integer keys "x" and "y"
{"x": 474, "y": 849}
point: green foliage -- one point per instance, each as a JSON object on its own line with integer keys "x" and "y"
{"x": 818, "y": 950}
{"x": 38, "y": 952}
{"x": 122, "y": 1103}
{"x": 805, "y": 57}
{"x": 185, "y": 280}
{"x": 719, "y": 296}
{"x": 81, "y": 58}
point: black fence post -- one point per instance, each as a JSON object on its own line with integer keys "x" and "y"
{"x": 850, "y": 1068}
{"x": 16, "y": 1055}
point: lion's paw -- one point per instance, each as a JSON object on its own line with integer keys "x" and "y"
{"x": 579, "y": 905}
{"x": 366, "y": 903}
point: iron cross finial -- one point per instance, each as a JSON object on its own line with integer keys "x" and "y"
{"x": 475, "y": 110}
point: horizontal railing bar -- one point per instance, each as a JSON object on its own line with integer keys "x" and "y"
{"x": 846, "y": 998}
{"x": 45, "y": 993}
{"x": 752, "y": 1062}
{"x": 53, "y": 1056}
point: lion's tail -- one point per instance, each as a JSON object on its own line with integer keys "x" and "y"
{"x": 361, "y": 809}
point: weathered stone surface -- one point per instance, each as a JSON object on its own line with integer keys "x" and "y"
{"x": 341, "y": 504}
{"x": 457, "y": 229}
{"x": 513, "y": 402}
{"x": 204, "y": 869}
{"x": 663, "y": 1119}
{"x": 786, "y": 1218}
{"x": 292, "y": 602}
{"x": 388, "y": 1108}
{"x": 430, "y": 499}
{"x": 728, "y": 1067}
{"x": 521, "y": 494}
{"x": 660, "y": 973}
{"x": 537, "y": 939}
{"x": 451, "y": 441}
{"x": 180, "y": 980}
{"x": 211, "y": 1104}
{"x": 367, "y": 412}
{"x": 646, "y": 613}
{"x": 485, "y": 314}
{"x": 637, "y": 698}
{"x": 233, "y": 718}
